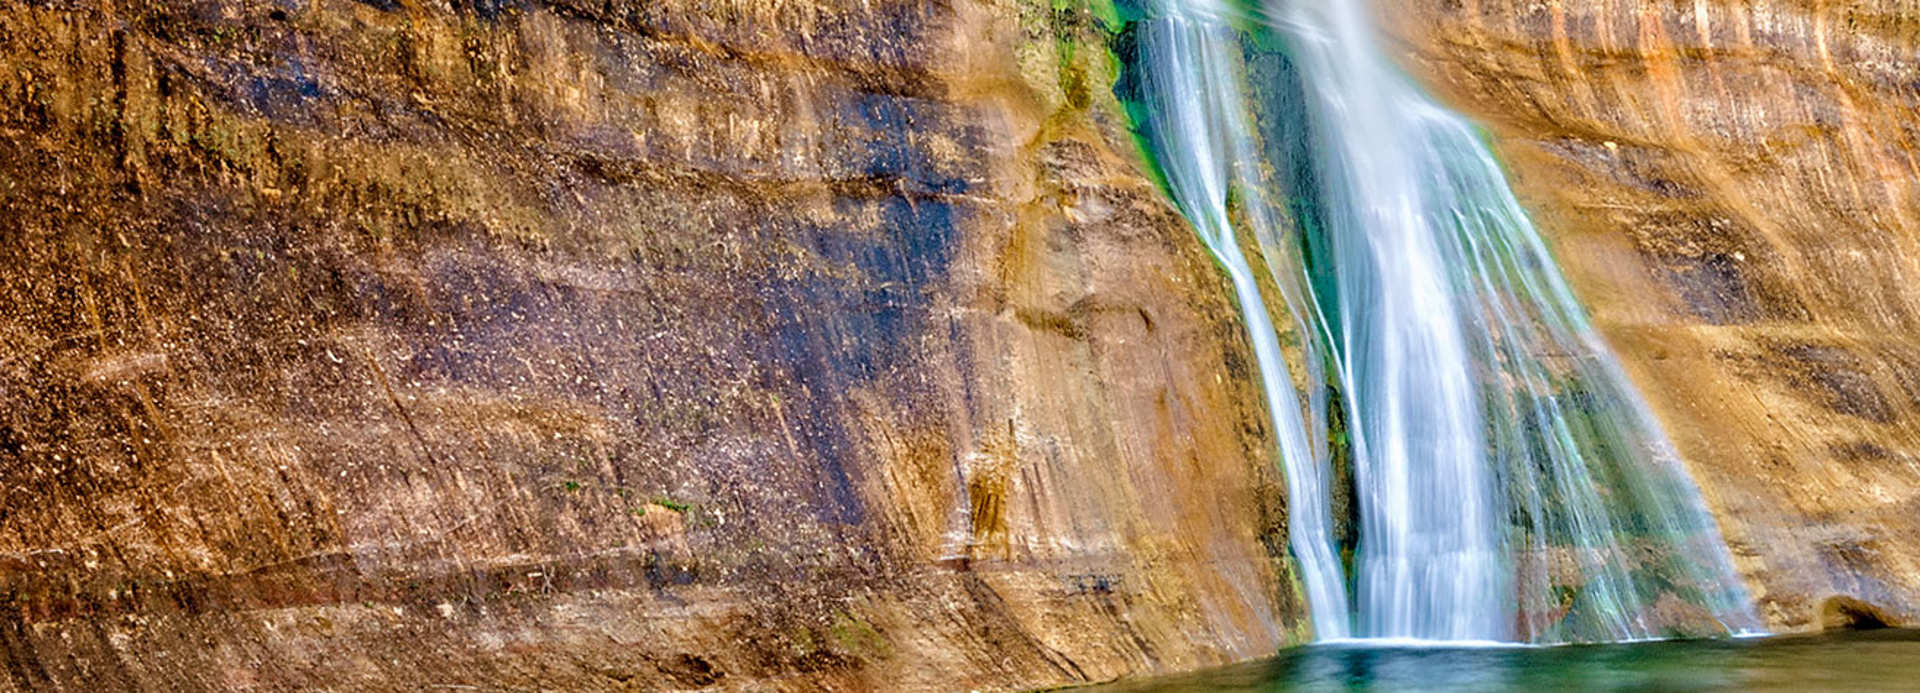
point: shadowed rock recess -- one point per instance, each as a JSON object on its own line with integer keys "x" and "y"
{"x": 594, "y": 346}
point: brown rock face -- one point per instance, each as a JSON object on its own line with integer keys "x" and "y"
{"x": 1735, "y": 189}
{"x": 398, "y": 344}
{"x": 809, "y": 344}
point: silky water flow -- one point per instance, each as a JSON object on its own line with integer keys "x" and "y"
{"x": 1501, "y": 479}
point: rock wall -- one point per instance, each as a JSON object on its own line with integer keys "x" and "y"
{"x": 1733, "y": 186}
{"x": 801, "y": 344}
{"x": 659, "y": 344}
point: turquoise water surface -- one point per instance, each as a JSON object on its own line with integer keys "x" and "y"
{"x": 1877, "y": 660}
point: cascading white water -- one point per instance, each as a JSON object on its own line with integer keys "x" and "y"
{"x": 1509, "y": 483}
{"x": 1193, "y": 81}
{"x": 1430, "y": 564}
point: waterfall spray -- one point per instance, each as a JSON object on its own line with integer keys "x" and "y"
{"x": 1509, "y": 482}
{"x": 1194, "y": 84}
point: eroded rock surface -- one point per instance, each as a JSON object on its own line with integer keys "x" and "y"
{"x": 644, "y": 345}
{"x": 819, "y": 343}
{"x": 1734, "y": 189}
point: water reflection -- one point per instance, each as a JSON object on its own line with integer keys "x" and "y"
{"x": 1864, "y": 660}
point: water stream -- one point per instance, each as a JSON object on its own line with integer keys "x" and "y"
{"x": 1881, "y": 660}
{"x": 1465, "y": 458}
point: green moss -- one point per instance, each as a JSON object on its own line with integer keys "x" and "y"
{"x": 1564, "y": 595}
{"x": 1104, "y": 10}
{"x": 853, "y": 636}
{"x": 802, "y": 642}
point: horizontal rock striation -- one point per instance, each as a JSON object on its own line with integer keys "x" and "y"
{"x": 768, "y": 344}
{"x": 1734, "y": 188}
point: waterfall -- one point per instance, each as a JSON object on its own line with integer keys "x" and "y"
{"x": 1507, "y": 481}
{"x": 1204, "y": 118}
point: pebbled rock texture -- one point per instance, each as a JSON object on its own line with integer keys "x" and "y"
{"x": 645, "y": 345}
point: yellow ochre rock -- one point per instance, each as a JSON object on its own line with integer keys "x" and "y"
{"x": 756, "y": 344}
{"x": 1734, "y": 190}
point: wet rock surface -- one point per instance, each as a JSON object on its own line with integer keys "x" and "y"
{"x": 781, "y": 344}
{"x": 1731, "y": 186}
{"x": 606, "y": 346}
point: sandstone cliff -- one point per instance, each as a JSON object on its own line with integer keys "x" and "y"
{"x": 401, "y": 344}
{"x": 1734, "y": 189}
{"x": 676, "y": 344}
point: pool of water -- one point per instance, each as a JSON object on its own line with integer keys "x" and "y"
{"x": 1875, "y": 660}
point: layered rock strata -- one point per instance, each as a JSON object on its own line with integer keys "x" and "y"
{"x": 591, "y": 346}
{"x": 1734, "y": 189}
